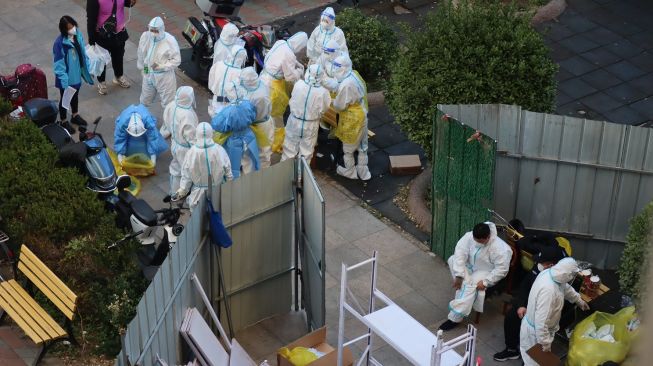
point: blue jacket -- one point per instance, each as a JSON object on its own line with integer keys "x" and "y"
{"x": 236, "y": 119}
{"x": 155, "y": 143}
{"x": 67, "y": 70}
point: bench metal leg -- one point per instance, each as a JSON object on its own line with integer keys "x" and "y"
{"x": 69, "y": 329}
{"x": 44, "y": 350}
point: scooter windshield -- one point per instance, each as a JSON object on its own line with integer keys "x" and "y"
{"x": 99, "y": 166}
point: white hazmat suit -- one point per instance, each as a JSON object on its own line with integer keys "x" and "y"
{"x": 281, "y": 66}
{"x": 158, "y": 57}
{"x": 204, "y": 158}
{"x": 179, "y": 123}
{"x": 351, "y": 103}
{"x": 228, "y": 40}
{"x": 545, "y": 302}
{"x": 223, "y": 74}
{"x": 251, "y": 88}
{"x": 330, "y": 52}
{"x": 308, "y": 103}
{"x": 323, "y": 33}
{"x": 474, "y": 262}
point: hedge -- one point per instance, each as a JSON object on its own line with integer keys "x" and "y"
{"x": 633, "y": 266}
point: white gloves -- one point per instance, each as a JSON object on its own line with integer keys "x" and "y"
{"x": 153, "y": 158}
{"x": 330, "y": 83}
{"x": 121, "y": 158}
{"x": 155, "y": 66}
{"x": 179, "y": 195}
{"x": 583, "y": 305}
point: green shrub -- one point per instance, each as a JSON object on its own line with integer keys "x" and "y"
{"x": 48, "y": 208}
{"x": 634, "y": 260}
{"x": 469, "y": 54}
{"x": 371, "y": 41}
{"x": 5, "y": 107}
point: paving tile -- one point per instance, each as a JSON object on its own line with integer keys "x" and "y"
{"x": 286, "y": 327}
{"x": 600, "y": 16}
{"x": 577, "y": 66}
{"x": 562, "y": 98}
{"x": 576, "y": 88}
{"x": 624, "y": 115}
{"x": 626, "y": 93}
{"x": 388, "y": 283}
{"x": 584, "y": 5}
{"x": 602, "y": 36}
{"x": 349, "y": 255}
{"x": 418, "y": 269}
{"x": 14, "y": 338}
{"x": 335, "y": 201}
{"x": 258, "y": 341}
{"x": 387, "y": 135}
{"x": 644, "y": 107}
{"x": 559, "y": 52}
{"x": 643, "y": 39}
{"x": 579, "y": 43}
{"x": 625, "y": 70}
{"x": 579, "y": 110}
{"x": 333, "y": 239}
{"x": 382, "y": 113}
{"x": 578, "y": 23}
{"x": 600, "y": 56}
{"x": 600, "y": 102}
{"x": 624, "y": 48}
{"x": 601, "y": 79}
{"x": 557, "y": 31}
{"x": 355, "y": 223}
{"x": 623, "y": 27}
{"x": 389, "y": 244}
{"x": 563, "y": 75}
{"x": 644, "y": 61}
{"x": 421, "y": 309}
{"x": 644, "y": 83}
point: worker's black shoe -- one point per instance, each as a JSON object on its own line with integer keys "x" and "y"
{"x": 78, "y": 120}
{"x": 448, "y": 325}
{"x": 507, "y": 354}
{"x": 68, "y": 127}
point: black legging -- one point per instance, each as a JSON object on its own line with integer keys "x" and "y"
{"x": 117, "y": 51}
{"x": 73, "y": 104}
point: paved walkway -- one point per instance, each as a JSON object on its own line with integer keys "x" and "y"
{"x": 605, "y": 52}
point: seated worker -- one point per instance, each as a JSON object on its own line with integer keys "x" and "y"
{"x": 481, "y": 259}
{"x": 235, "y": 135}
{"x": 136, "y": 133}
{"x": 545, "y": 259}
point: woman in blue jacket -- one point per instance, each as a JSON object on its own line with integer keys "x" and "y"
{"x": 70, "y": 67}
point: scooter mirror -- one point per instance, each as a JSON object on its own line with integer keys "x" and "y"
{"x": 123, "y": 182}
{"x": 166, "y": 199}
{"x": 97, "y": 120}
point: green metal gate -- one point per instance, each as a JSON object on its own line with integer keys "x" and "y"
{"x": 463, "y": 181}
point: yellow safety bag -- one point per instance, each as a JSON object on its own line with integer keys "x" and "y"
{"x": 279, "y": 135}
{"x": 350, "y": 124}
{"x": 138, "y": 165}
{"x": 279, "y": 97}
{"x": 261, "y": 137}
{"x": 585, "y": 351}
{"x": 135, "y": 187}
{"x": 220, "y": 137}
{"x": 298, "y": 356}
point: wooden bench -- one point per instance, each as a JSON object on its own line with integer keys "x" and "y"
{"x": 20, "y": 305}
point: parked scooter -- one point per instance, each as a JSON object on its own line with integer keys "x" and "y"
{"x": 89, "y": 154}
{"x": 138, "y": 218}
{"x": 25, "y": 83}
{"x": 203, "y": 34}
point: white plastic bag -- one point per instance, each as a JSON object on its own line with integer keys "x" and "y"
{"x": 98, "y": 59}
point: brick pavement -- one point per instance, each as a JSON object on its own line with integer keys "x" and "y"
{"x": 605, "y": 52}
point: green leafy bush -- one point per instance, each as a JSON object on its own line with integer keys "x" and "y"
{"x": 5, "y": 107}
{"x": 634, "y": 260}
{"x": 48, "y": 208}
{"x": 371, "y": 41}
{"x": 469, "y": 54}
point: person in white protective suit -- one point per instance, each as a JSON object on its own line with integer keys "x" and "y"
{"x": 223, "y": 74}
{"x": 330, "y": 52}
{"x": 179, "y": 123}
{"x": 281, "y": 66}
{"x": 323, "y": 33}
{"x": 308, "y": 103}
{"x": 481, "y": 259}
{"x": 351, "y": 104}
{"x": 158, "y": 57}
{"x": 205, "y": 158}
{"x": 545, "y": 301}
{"x": 228, "y": 40}
{"x": 249, "y": 87}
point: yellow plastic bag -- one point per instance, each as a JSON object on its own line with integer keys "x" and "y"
{"x": 135, "y": 187}
{"x": 278, "y": 97}
{"x": 299, "y": 356}
{"x": 279, "y": 135}
{"x": 350, "y": 124}
{"x": 261, "y": 137}
{"x": 589, "y": 352}
{"x": 138, "y": 165}
{"x": 220, "y": 138}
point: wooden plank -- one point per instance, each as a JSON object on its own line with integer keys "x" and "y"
{"x": 58, "y": 282}
{"x": 35, "y": 310}
{"x": 13, "y": 310}
{"x": 46, "y": 290}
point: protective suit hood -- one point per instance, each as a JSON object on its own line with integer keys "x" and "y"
{"x": 341, "y": 67}
{"x": 157, "y": 23}
{"x": 204, "y": 135}
{"x": 229, "y": 34}
{"x": 185, "y": 97}
{"x": 249, "y": 78}
{"x": 564, "y": 271}
{"x": 135, "y": 127}
{"x": 314, "y": 75}
{"x": 298, "y": 41}
{"x": 328, "y": 19}
{"x": 238, "y": 57}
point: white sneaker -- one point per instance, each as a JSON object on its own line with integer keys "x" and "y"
{"x": 347, "y": 173}
{"x": 102, "y": 88}
{"x": 363, "y": 172}
{"x": 122, "y": 82}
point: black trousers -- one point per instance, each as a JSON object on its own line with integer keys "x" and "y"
{"x": 117, "y": 51}
{"x": 74, "y": 103}
{"x": 512, "y": 324}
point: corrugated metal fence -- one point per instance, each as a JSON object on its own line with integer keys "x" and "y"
{"x": 463, "y": 171}
{"x": 259, "y": 211}
{"x": 569, "y": 175}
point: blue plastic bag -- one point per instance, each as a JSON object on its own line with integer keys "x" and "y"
{"x": 219, "y": 234}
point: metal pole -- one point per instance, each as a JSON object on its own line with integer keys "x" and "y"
{"x": 214, "y": 316}
{"x": 341, "y": 319}
{"x": 372, "y": 303}
{"x": 298, "y": 234}
{"x": 227, "y": 307}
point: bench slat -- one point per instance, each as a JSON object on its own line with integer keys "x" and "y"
{"x": 35, "y": 310}
{"x": 56, "y": 282}
{"x": 19, "y": 317}
{"x": 36, "y": 280}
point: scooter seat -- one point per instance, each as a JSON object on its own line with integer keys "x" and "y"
{"x": 143, "y": 212}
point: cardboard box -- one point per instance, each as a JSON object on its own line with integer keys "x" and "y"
{"x": 317, "y": 340}
{"x": 405, "y": 164}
